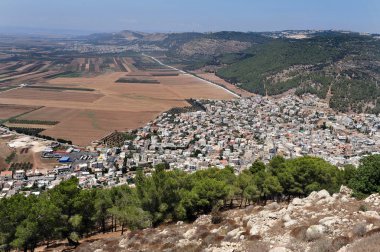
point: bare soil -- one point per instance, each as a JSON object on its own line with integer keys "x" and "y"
{"x": 85, "y": 116}
{"x": 11, "y": 110}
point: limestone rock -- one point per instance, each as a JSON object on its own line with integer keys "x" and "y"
{"x": 374, "y": 199}
{"x": 279, "y": 249}
{"x": 344, "y": 190}
{"x": 190, "y": 233}
{"x": 314, "y": 232}
{"x": 254, "y": 231}
{"x": 290, "y": 223}
{"x": 123, "y": 243}
{"x": 323, "y": 194}
{"x": 328, "y": 222}
{"x": 203, "y": 220}
{"x": 297, "y": 202}
{"x": 272, "y": 206}
{"x": 235, "y": 233}
{"x": 286, "y": 218}
{"x": 371, "y": 214}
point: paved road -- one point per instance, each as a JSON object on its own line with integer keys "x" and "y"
{"x": 183, "y": 72}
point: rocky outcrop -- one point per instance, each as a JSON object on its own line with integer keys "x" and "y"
{"x": 319, "y": 222}
{"x": 315, "y": 232}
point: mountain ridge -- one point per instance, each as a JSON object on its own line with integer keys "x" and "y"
{"x": 341, "y": 66}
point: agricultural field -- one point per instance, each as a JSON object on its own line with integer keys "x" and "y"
{"x": 93, "y": 97}
{"x": 215, "y": 79}
{"x": 11, "y": 110}
{"x": 48, "y": 94}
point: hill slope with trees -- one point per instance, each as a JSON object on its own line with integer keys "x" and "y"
{"x": 68, "y": 212}
{"x": 343, "y": 67}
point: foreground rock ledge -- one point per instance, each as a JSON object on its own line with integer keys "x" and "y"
{"x": 320, "y": 222}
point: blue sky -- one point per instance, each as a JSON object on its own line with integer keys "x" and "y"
{"x": 190, "y": 15}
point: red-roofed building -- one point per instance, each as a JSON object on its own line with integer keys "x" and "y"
{"x": 6, "y": 175}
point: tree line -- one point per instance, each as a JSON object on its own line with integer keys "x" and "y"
{"x": 68, "y": 212}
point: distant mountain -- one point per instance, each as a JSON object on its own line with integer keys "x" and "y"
{"x": 340, "y": 66}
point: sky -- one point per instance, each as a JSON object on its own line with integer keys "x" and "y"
{"x": 87, "y": 16}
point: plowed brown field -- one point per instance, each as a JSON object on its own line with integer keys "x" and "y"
{"x": 85, "y": 116}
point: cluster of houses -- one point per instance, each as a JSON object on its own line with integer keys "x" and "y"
{"x": 222, "y": 133}
{"x": 96, "y": 168}
{"x": 237, "y": 132}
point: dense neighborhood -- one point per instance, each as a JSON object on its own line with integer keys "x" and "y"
{"x": 217, "y": 134}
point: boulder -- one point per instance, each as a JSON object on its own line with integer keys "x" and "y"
{"x": 279, "y": 249}
{"x": 203, "y": 220}
{"x": 297, "y": 202}
{"x": 290, "y": 223}
{"x": 323, "y": 194}
{"x": 254, "y": 230}
{"x": 235, "y": 233}
{"x": 190, "y": 233}
{"x": 215, "y": 230}
{"x": 344, "y": 199}
{"x": 312, "y": 195}
{"x": 315, "y": 232}
{"x": 328, "y": 222}
{"x": 123, "y": 242}
{"x": 272, "y": 206}
{"x": 286, "y": 218}
{"x": 344, "y": 190}
{"x": 371, "y": 214}
{"x": 317, "y": 196}
{"x": 373, "y": 198}
{"x": 272, "y": 216}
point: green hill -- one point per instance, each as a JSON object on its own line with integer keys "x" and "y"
{"x": 346, "y": 64}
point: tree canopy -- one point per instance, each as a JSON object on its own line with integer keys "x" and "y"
{"x": 68, "y": 212}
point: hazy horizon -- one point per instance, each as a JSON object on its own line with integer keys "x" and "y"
{"x": 86, "y": 16}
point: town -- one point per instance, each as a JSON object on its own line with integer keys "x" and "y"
{"x": 211, "y": 133}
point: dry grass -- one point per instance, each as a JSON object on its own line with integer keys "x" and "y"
{"x": 299, "y": 233}
{"x": 257, "y": 246}
{"x": 368, "y": 244}
{"x": 339, "y": 242}
{"x": 360, "y": 229}
{"x": 322, "y": 245}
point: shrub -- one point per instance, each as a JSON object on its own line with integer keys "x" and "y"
{"x": 373, "y": 231}
{"x": 360, "y": 229}
{"x": 216, "y": 216}
{"x": 299, "y": 233}
{"x": 255, "y": 246}
{"x": 322, "y": 245}
{"x": 10, "y": 158}
{"x": 339, "y": 242}
{"x": 368, "y": 244}
{"x": 363, "y": 208}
